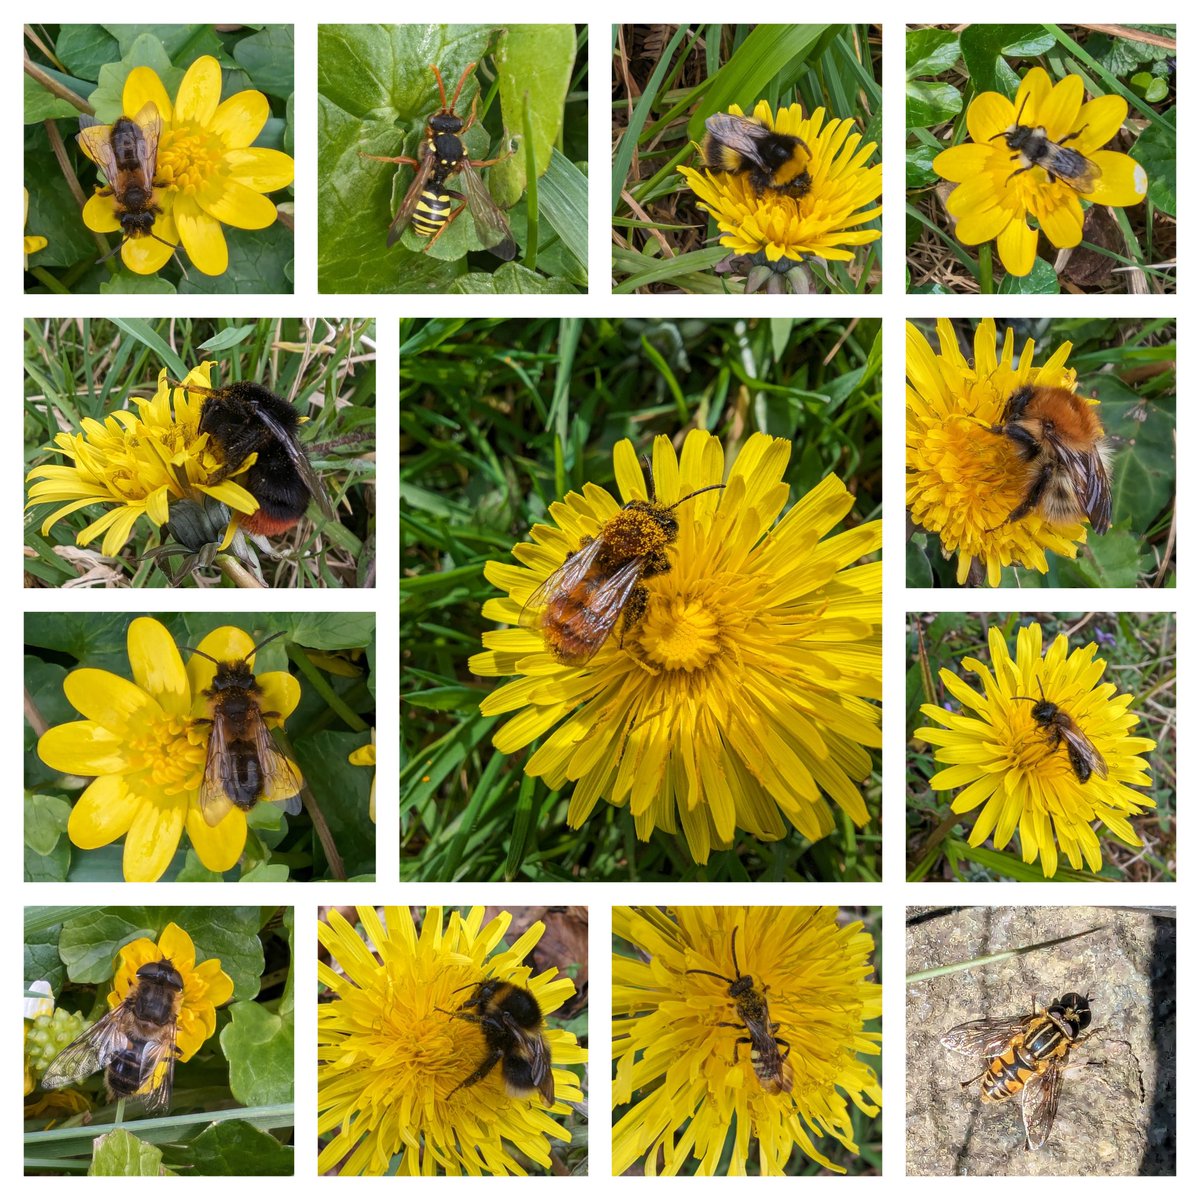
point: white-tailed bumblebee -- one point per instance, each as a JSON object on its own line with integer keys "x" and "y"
{"x": 1060, "y": 438}
{"x": 244, "y": 418}
{"x": 511, "y": 1021}
{"x": 134, "y": 1043}
{"x": 1034, "y": 149}
{"x": 243, "y": 765}
{"x": 744, "y": 145}
{"x": 1059, "y": 727}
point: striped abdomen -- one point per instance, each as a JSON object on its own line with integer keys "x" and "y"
{"x": 432, "y": 210}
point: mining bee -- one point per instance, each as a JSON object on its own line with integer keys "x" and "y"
{"x": 1025, "y": 1055}
{"x": 426, "y": 205}
{"x": 1034, "y": 149}
{"x": 1085, "y": 759}
{"x": 772, "y": 1068}
{"x": 511, "y": 1021}
{"x": 770, "y": 160}
{"x": 134, "y": 1043}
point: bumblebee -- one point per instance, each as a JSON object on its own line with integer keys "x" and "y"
{"x": 134, "y": 1043}
{"x": 511, "y": 1021}
{"x": 770, "y": 160}
{"x": 1058, "y": 726}
{"x": 772, "y": 1068}
{"x": 1025, "y": 1056}
{"x": 1034, "y": 149}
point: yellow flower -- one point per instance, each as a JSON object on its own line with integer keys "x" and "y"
{"x": 962, "y": 481}
{"x": 140, "y": 741}
{"x": 820, "y": 224}
{"x": 995, "y": 198}
{"x": 33, "y": 242}
{"x": 690, "y": 1084}
{"x": 138, "y": 463}
{"x": 390, "y": 1055}
{"x": 364, "y": 756}
{"x": 208, "y": 174}
{"x": 1002, "y": 759}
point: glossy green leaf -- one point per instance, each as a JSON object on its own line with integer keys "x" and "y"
{"x": 985, "y": 48}
{"x": 930, "y": 104}
{"x": 930, "y": 51}
{"x": 45, "y": 822}
{"x": 120, "y": 1153}
{"x": 260, "y": 1047}
{"x": 1041, "y": 281}
{"x": 1156, "y": 151}
{"x": 237, "y": 1148}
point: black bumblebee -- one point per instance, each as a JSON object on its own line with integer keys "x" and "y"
{"x": 1034, "y": 149}
{"x": 1085, "y": 759}
{"x": 427, "y": 203}
{"x": 511, "y": 1021}
{"x": 744, "y": 145}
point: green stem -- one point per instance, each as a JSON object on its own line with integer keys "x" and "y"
{"x": 119, "y": 1119}
{"x": 531, "y": 186}
{"x": 985, "y": 269}
{"x": 322, "y": 688}
{"x": 44, "y": 276}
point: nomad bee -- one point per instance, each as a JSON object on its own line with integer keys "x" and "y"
{"x": 773, "y": 1070}
{"x": 243, "y": 765}
{"x": 1059, "y": 727}
{"x": 511, "y": 1022}
{"x": 1059, "y": 436}
{"x": 742, "y": 145}
{"x": 1034, "y": 149}
{"x": 576, "y": 608}
{"x": 244, "y": 418}
{"x": 1025, "y": 1055}
{"x": 426, "y": 205}
{"x": 134, "y": 1043}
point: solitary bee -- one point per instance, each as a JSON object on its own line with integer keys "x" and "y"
{"x": 1034, "y": 149}
{"x": 773, "y": 1070}
{"x": 1085, "y": 759}
{"x": 134, "y": 1043}
{"x": 1025, "y": 1055}
{"x": 426, "y": 204}
{"x": 744, "y": 145}
{"x": 511, "y": 1021}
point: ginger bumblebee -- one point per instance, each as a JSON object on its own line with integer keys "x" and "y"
{"x": 744, "y": 145}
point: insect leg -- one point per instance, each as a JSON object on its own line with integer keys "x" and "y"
{"x": 408, "y": 162}
{"x": 966, "y": 1083}
{"x": 1019, "y": 171}
{"x": 450, "y": 216}
{"x": 480, "y": 1073}
{"x": 1071, "y": 136}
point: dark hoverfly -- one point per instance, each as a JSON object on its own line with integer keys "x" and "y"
{"x": 134, "y": 1043}
{"x": 738, "y": 145}
{"x": 1025, "y": 1056}
{"x": 1034, "y": 149}
{"x": 1084, "y": 758}
{"x": 427, "y": 203}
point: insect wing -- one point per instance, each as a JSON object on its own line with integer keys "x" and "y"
{"x": 537, "y": 1054}
{"x": 1040, "y": 1103}
{"x": 1072, "y": 167}
{"x": 412, "y": 197}
{"x": 985, "y": 1038}
{"x": 1081, "y": 747}
{"x": 299, "y": 460}
{"x": 150, "y": 123}
{"x": 89, "y": 1052}
{"x": 279, "y": 782}
{"x": 95, "y": 140}
{"x": 158, "y": 1069}
{"x": 490, "y": 226}
{"x": 739, "y": 133}
{"x": 1096, "y": 495}
{"x": 215, "y": 802}
{"x": 565, "y": 579}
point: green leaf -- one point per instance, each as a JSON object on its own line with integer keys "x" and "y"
{"x": 930, "y": 52}
{"x": 345, "y": 794}
{"x": 127, "y": 283}
{"x": 931, "y": 103}
{"x": 260, "y": 1047}
{"x": 237, "y": 1148}
{"x": 266, "y": 873}
{"x": 918, "y": 166}
{"x": 45, "y": 822}
{"x": 1041, "y": 281}
{"x": 145, "y": 50}
{"x": 120, "y": 1153}
{"x": 562, "y": 202}
{"x": 142, "y": 331}
{"x": 1113, "y": 561}
{"x": 268, "y": 57}
{"x": 42, "y": 105}
{"x": 984, "y": 48}
{"x": 41, "y": 957}
{"x": 260, "y": 260}
{"x": 226, "y": 339}
{"x": 1155, "y": 150}
{"x": 84, "y": 49}
{"x": 48, "y": 868}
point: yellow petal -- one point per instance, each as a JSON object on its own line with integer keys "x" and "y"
{"x": 175, "y": 944}
{"x": 103, "y": 813}
{"x": 1059, "y": 112}
{"x": 960, "y": 163}
{"x": 153, "y": 836}
{"x": 202, "y": 238}
{"x": 1017, "y": 246}
{"x": 82, "y": 748}
{"x": 145, "y": 255}
{"x": 157, "y": 666}
{"x": 99, "y": 215}
{"x": 200, "y": 92}
{"x": 1099, "y": 120}
{"x": 982, "y": 225}
{"x": 1122, "y": 179}
{"x": 240, "y": 119}
{"x": 237, "y": 205}
{"x": 217, "y": 846}
{"x": 281, "y": 692}
{"x": 261, "y": 169}
{"x": 989, "y": 115}
{"x": 1063, "y": 224}
{"x": 143, "y": 86}
{"x": 112, "y": 702}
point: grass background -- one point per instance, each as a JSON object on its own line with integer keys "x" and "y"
{"x": 498, "y": 419}
{"x": 1139, "y": 649}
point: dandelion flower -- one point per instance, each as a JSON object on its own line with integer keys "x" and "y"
{"x": 1001, "y": 758}
{"x": 208, "y": 173}
{"x": 746, "y": 696}
{"x": 820, "y": 224}
{"x": 690, "y": 1084}
{"x": 962, "y": 481}
{"x": 995, "y": 198}
{"x": 364, "y": 756}
{"x": 390, "y": 1054}
{"x": 33, "y": 241}
{"x": 139, "y": 463}
{"x": 141, "y": 742}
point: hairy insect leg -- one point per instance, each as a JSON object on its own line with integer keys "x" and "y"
{"x": 402, "y": 159}
{"x": 450, "y": 218}
{"x": 480, "y": 1073}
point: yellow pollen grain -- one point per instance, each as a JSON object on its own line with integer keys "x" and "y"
{"x": 163, "y": 749}
{"x": 188, "y": 158}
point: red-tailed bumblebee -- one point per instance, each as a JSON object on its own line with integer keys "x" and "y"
{"x": 744, "y": 145}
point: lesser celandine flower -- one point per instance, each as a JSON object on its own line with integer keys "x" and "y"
{"x": 364, "y": 756}
{"x": 1002, "y": 759}
{"x": 208, "y": 173}
{"x": 33, "y": 242}
{"x": 745, "y": 698}
{"x": 963, "y": 480}
{"x": 690, "y": 1085}
{"x": 996, "y": 199}
{"x": 141, "y": 742}
{"x": 391, "y": 1053}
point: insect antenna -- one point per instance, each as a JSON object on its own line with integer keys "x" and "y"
{"x": 1034, "y": 699}
{"x": 737, "y": 972}
{"x": 712, "y": 487}
{"x": 253, "y": 649}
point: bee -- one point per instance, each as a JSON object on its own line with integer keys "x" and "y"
{"x": 426, "y": 205}
{"x": 1034, "y": 149}
{"x": 511, "y": 1021}
{"x": 127, "y": 152}
{"x": 243, "y": 765}
{"x": 744, "y": 145}
{"x": 244, "y": 418}
{"x": 1085, "y": 759}
{"x": 1059, "y": 436}
{"x": 1026, "y": 1056}
{"x": 773, "y": 1070}
{"x": 578, "y": 606}
{"x": 134, "y": 1043}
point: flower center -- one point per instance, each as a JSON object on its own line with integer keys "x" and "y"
{"x": 161, "y": 748}
{"x": 681, "y": 633}
{"x": 189, "y": 156}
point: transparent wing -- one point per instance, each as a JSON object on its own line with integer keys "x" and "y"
{"x": 89, "y": 1052}
{"x": 1073, "y": 168}
{"x": 564, "y": 579}
{"x": 95, "y": 141}
{"x": 150, "y": 123}
{"x": 299, "y": 460}
{"x": 408, "y": 205}
{"x": 214, "y": 802}
{"x": 984, "y": 1038}
{"x": 158, "y": 1069}
{"x": 1040, "y": 1103}
{"x": 536, "y": 1053}
{"x": 1083, "y": 748}
{"x": 280, "y": 784}
{"x": 490, "y": 224}
{"x": 1089, "y": 481}
{"x": 739, "y": 133}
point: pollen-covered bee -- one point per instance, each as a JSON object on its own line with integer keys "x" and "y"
{"x": 243, "y": 765}
{"x": 772, "y": 1068}
{"x": 426, "y": 205}
{"x": 511, "y": 1021}
{"x": 578, "y": 606}
{"x": 134, "y": 1043}
{"x": 744, "y": 145}
{"x": 1025, "y": 1055}
{"x": 1034, "y": 149}
{"x": 1060, "y": 438}
{"x": 1059, "y": 727}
